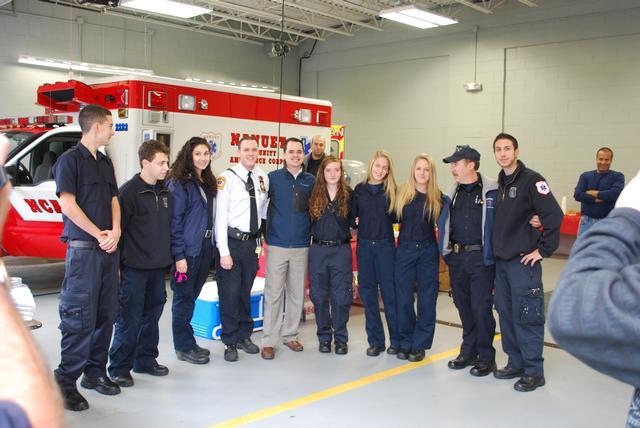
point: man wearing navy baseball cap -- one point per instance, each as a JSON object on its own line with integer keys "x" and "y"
{"x": 465, "y": 230}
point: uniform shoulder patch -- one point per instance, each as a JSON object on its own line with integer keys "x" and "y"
{"x": 221, "y": 182}
{"x": 542, "y": 187}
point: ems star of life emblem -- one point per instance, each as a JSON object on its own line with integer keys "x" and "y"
{"x": 543, "y": 187}
{"x": 215, "y": 141}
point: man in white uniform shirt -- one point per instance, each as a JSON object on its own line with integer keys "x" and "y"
{"x": 240, "y": 210}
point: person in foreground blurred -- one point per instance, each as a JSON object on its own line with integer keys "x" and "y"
{"x": 594, "y": 313}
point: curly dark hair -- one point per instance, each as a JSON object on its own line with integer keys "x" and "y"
{"x": 319, "y": 199}
{"x": 183, "y": 169}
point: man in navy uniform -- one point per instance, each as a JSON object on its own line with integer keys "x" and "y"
{"x": 519, "y": 248}
{"x": 86, "y": 186}
{"x": 145, "y": 256}
{"x": 288, "y": 237}
{"x": 240, "y": 209}
{"x": 598, "y": 190}
{"x": 466, "y": 227}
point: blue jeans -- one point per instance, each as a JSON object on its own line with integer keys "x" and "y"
{"x": 416, "y": 263}
{"x": 585, "y": 223}
{"x": 142, "y": 297}
{"x": 376, "y": 262}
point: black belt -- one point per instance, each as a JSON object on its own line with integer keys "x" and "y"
{"x": 234, "y": 233}
{"x": 82, "y": 244}
{"x": 208, "y": 233}
{"x": 462, "y": 248}
{"x": 330, "y": 243}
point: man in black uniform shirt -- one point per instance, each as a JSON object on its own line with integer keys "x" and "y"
{"x": 312, "y": 161}
{"x": 466, "y": 227}
{"x": 86, "y": 186}
{"x": 519, "y": 248}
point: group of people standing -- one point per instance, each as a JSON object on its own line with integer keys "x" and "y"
{"x": 185, "y": 218}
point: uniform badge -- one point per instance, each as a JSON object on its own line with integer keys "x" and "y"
{"x": 513, "y": 191}
{"x": 165, "y": 201}
{"x": 262, "y": 187}
{"x": 221, "y": 182}
{"x": 489, "y": 202}
{"x": 543, "y": 187}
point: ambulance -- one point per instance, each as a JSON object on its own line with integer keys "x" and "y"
{"x": 143, "y": 108}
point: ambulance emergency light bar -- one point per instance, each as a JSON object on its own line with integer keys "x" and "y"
{"x": 248, "y": 86}
{"x": 87, "y": 67}
{"x": 165, "y": 7}
{"x": 416, "y": 17}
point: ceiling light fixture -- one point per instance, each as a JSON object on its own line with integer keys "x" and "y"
{"x": 166, "y": 7}
{"x": 86, "y": 67}
{"x": 416, "y": 17}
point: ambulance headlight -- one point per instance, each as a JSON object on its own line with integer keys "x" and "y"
{"x": 187, "y": 102}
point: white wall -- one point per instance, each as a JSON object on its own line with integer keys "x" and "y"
{"x": 562, "y": 78}
{"x": 47, "y": 30}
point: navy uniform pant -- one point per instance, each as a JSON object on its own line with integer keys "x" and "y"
{"x": 185, "y": 294}
{"x": 234, "y": 290}
{"x": 416, "y": 264}
{"x": 376, "y": 263}
{"x": 142, "y": 296}
{"x": 520, "y": 303}
{"x": 88, "y": 309}
{"x": 472, "y": 289}
{"x": 331, "y": 289}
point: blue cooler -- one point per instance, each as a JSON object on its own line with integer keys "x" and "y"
{"x": 206, "y": 315}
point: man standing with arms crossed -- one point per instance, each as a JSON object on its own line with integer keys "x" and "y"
{"x": 312, "y": 160}
{"x": 241, "y": 206}
{"x": 86, "y": 186}
{"x": 465, "y": 241}
{"x": 288, "y": 239}
{"x": 598, "y": 190}
{"x": 519, "y": 248}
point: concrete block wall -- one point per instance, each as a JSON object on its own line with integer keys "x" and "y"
{"x": 562, "y": 78}
{"x": 47, "y": 30}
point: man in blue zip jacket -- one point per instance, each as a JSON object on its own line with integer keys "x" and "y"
{"x": 519, "y": 248}
{"x": 465, "y": 240}
{"x": 598, "y": 190}
{"x": 288, "y": 238}
{"x": 145, "y": 256}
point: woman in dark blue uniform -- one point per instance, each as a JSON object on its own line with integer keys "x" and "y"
{"x": 418, "y": 206}
{"x": 330, "y": 263}
{"x": 193, "y": 190}
{"x": 372, "y": 204}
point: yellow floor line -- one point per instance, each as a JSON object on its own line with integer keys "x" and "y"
{"x": 327, "y": 393}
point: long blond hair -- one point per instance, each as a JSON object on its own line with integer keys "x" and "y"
{"x": 319, "y": 199}
{"x": 407, "y": 191}
{"x": 389, "y": 181}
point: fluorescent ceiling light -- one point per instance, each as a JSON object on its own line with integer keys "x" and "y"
{"x": 166, "y": 7}
{"x": 412, "y": 15}
{"x": 87, "y": 67}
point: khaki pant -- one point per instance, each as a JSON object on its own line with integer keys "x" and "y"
{"x": 283, "y": 291}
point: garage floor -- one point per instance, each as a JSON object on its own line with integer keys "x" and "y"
{"x": 312, "y": 389}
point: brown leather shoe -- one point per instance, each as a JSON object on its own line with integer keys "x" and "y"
{"x": 268, "y": 353}
{"x": 295, "y": 346}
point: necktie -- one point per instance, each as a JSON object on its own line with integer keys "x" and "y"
{"x": 253, "y": 222}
